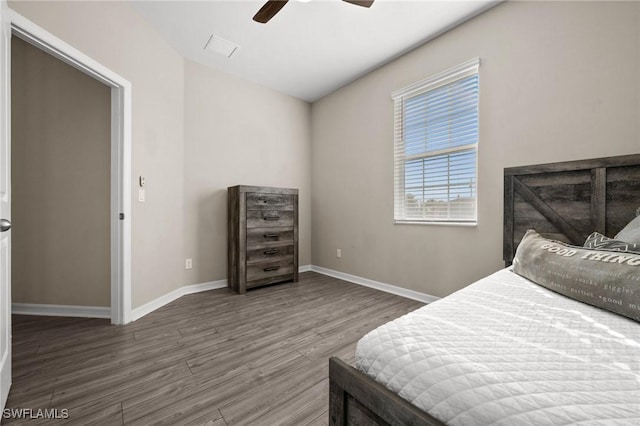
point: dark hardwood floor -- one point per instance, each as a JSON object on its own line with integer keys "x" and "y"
{"x": 214, "y": 358}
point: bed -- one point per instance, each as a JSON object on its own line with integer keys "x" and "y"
{"x": 475, "y": 357}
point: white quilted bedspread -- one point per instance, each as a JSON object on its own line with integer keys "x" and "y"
{"x": 505, "y": 351}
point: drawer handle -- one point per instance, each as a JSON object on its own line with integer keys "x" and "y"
{"x": 271, "y": 268}
{"x": 271, "y": 217}
{"x": 271, "y": 201}
{"x": 271, "y": 235}
{"x": 271, "y": 252}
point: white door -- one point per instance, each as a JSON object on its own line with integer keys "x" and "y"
{"x": 5, "y": 204}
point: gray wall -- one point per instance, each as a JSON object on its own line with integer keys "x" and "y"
{"x": 558, "y": 81}
{"x": 237, "y": 132}
{"x": 61, "y": 136}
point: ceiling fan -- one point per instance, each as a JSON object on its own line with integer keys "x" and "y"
{"x": 271, "y": 7}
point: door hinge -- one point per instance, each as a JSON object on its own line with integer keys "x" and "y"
{"x": 121, "y": 216}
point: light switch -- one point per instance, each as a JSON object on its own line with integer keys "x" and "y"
{"x": 141, "y": 181}
{"x": 141, "y": 195}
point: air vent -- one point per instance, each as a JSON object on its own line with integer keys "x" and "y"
{"x": 221, "y": 46}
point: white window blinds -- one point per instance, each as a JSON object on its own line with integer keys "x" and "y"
{"x": 435, "y": 148}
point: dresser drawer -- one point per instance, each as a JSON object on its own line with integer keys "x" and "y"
{"x": 270, "y": 253}
{"x": 269, "y": 218}
{"x": 267, "y": 270}
{"x": 268, "y": 235}
{"x": 257, "y": 201}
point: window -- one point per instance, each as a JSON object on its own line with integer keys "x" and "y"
{"x": 436, "y": 148}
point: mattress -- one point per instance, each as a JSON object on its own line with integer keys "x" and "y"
{"x": 504, "y": 351}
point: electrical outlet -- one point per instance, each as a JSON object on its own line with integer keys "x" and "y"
{"x": 188, "y": 264}
{"x": 338, "y": 253}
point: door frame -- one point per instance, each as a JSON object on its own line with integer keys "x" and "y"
{"x": 120, "y": 222}
{"x": 5, "y": 203}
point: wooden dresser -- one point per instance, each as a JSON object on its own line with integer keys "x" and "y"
{"x": 262, "y": 236}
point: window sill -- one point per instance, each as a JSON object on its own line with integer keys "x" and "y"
{"x": 463, "y": 224}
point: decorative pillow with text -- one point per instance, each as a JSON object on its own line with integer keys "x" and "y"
{"x": 604, "y": 278}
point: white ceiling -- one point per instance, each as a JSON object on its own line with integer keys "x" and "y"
{"x": 308, "y": 50}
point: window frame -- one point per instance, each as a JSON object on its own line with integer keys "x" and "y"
{"x": 459, "y": 72}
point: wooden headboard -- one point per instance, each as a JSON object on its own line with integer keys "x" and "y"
{"x": 570, "y": 200}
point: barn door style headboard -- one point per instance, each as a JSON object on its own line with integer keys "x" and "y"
{"x": 568, "y": 201}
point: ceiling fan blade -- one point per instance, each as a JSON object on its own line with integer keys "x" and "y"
{"x": 363, "y": 3}
{"x": 269, "y": 10}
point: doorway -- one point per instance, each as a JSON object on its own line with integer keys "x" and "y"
{"x": 60, "y": 174}
{"x": 120, "y": 155}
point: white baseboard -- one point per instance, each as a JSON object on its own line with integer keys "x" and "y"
{"x": 197, "y": 288}
{"x": 139, "y": 312}
{"x": 387, "y": 288}
{"x": 60, "y": 310}
{"x": 304, "y": 268}
{"x": 149, "y": 307}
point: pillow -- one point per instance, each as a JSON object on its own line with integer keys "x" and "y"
{"x": 599, "y": 241}
{"x": 631, "y": 232}
{"x": 604, "y": 278}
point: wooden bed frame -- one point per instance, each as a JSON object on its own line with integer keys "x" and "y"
{"x": 563, "y": 201}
